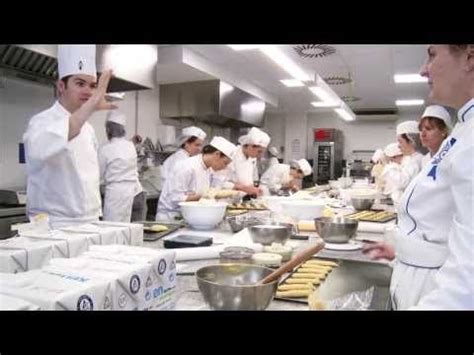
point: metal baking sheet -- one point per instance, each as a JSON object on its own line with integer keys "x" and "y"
{"x": 351, "y": 276}
{"x": 304, "y": 300}
{"x": 386, "y": 219}
{"x": 247, "y": 206}
{"x": 153, "y": 236}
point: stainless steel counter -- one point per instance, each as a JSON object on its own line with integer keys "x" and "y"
{"x": 355, "y": 273}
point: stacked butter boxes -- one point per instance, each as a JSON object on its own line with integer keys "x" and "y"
{"x": 114, "y": 277}
{"x": 34, "y": 249}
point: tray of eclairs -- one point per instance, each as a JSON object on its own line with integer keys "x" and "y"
{"x": 304, "y": 280}
{"x": 379, "y": 216}
{"x": 250, "y": 206}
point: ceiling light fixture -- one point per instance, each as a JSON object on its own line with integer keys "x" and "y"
{"x": 416, "y": 102}
{"x": 292, "y": 83}
{"x": 409, "y": 78}
{"x": 243, "y": 47}
{"x": 345, "y": 114}
{"x": 321, "y": 93}
{"x": 285, "y": 62}
{"x": 329, "y": 104}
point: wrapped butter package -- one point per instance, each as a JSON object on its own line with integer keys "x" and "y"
{"x": 132, "y": 233}
{"x": 20, "y": 254}
{"x": 74, "y": 243}
{"x": 127, "y": 279}
{"x": 106, "y": 235}
{"x": 9, "y": 303}
{"x": 161, "y": 282}
{"x": 53, "y": 288}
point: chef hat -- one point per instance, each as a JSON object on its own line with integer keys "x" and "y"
{"x": 378, "y": 156}
{"x": 255, "y": 136}
{"x": 273, "y": 151}
{"x": 392, "y": 150}
{"x": 76, "y": 59}
{"x": 304, "y": 166}
{"x": 117, "y": 117}
{"x": 438, "y": 112}
{"x": 223, "y": 145}
{"x": 407, "y": 127}
{"x": 189, "y": 132}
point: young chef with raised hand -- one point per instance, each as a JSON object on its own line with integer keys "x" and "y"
{"x": 61, "y": 146}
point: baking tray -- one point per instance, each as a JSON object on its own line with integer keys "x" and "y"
{"x": 352, "y": 276}
{"x": 302, "y": 299}
{"x": 153, "y": 236}
{"x": 247, "y": 206}
{"x": 390, "y": 217}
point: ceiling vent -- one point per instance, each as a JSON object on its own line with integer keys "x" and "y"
{"x": 337, "y": 80}
{"x": 312, "y": 51}
{"x": 383, "y": 115}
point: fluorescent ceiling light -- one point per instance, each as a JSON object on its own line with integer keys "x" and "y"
{"x": 285, "y": 62}
{"x": 292, "y": 83}
{"x": 331, "y": 104}
{"x": 242, "y": 47}
{"x": 345, "y": 114}
{"x": 409, "y": 102}
{"x": 321, "y": 93}
{"x": 409, "y": 78}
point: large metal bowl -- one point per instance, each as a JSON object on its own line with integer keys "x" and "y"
{"x": 336, "y": 229}
{"x": 267, "y": 234}
{"x": 233, "y": 287}
{"x": 360, "y": 203}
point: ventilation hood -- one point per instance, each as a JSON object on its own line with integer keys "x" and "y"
{"x": 211, "y": 101}
{"x": 134, "y": 65}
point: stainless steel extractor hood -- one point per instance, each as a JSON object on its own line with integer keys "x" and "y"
{"x": 38, "y": 63}
{"x": 211, "y": 101}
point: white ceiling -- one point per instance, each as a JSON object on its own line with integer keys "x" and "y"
{"x": 370, "y": 66}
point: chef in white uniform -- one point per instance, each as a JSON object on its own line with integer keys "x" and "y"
{"x": 408, "y": 137}
{"x": 284, "y": 176}
{"x": 192, "y": 177}
{"x": 118, "y": 170}
{"x": 273, "y": 152}
{"x": 380, "y": 160}
{"x": 190, "y": 144}
{"x": 435, "y": 125}
{"x": 434, "y": 265}
{"x": 242, "y": 172}
{"x": 61, "y": 146}
{"x": 394, "y": 158}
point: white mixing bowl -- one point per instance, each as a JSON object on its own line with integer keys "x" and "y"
{"x": 203, "y": 216}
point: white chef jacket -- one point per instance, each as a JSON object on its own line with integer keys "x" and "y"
{"x": 273, "y": 161}
{"x": 118, "y": 171}
{"x": 275, "y": 177}
{"x": 189, "y": 176}
{"x": 242, "y": 170}
{"x": 426, "y": 159}
{"x": 434, "y": 267}
{"x": 170, "y": 162}
{"x": 63, "y": 176}
{"x": 398, "y": 176}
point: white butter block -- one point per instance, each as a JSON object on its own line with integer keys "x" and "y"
{"x": 19, "y": 254}
{"x": 127, "y": 280}
{"x": 161, "y": 283}
{"x": 54, "y": 289}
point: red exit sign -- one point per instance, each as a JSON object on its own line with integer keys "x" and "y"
{"x": 323, "y": 134}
